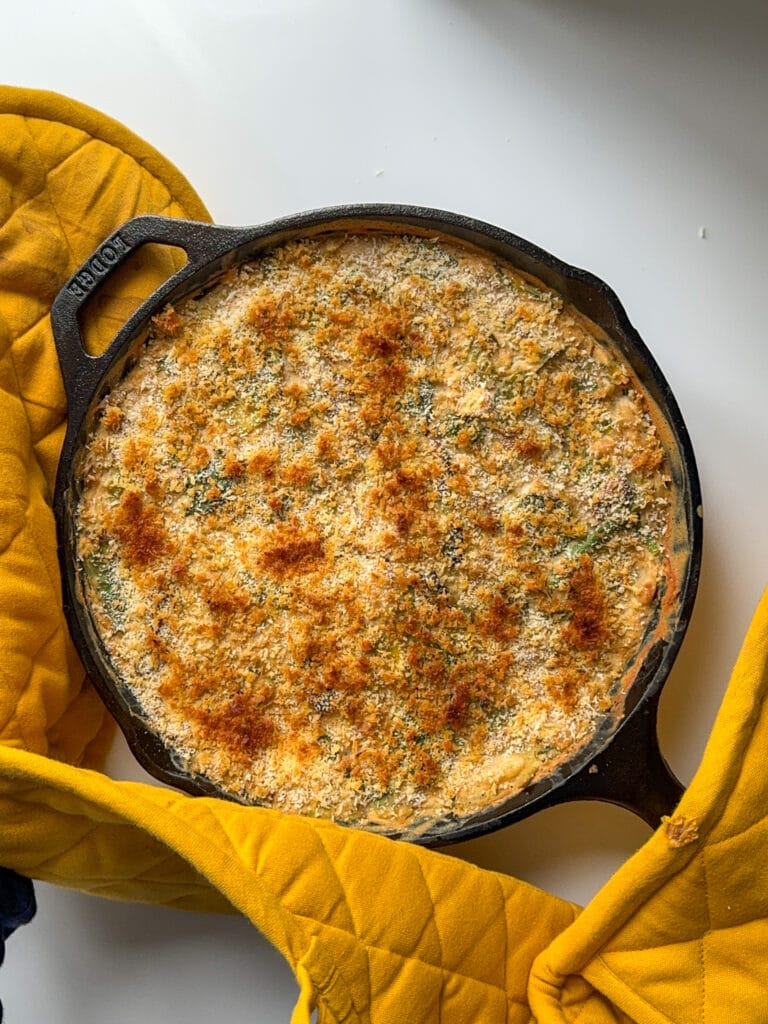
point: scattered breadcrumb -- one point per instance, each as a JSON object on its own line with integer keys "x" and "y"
{"x": 680, "y": 830}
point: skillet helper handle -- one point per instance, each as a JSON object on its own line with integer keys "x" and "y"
{"x": 202, "y": 244}
{"x": 632, "y": 772}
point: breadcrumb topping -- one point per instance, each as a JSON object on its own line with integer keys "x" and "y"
{"x": 373, "y": 529}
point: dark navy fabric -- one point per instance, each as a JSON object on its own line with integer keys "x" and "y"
{"x": 17, "y": 907}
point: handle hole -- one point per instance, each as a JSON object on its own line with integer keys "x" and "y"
{"x": 115, "y": 300}
{"x": 570, "y": 850}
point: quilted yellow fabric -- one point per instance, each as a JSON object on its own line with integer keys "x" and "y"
{"x": 375, "y": 931}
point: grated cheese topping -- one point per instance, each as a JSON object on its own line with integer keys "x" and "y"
{"x": 373, "y": 529}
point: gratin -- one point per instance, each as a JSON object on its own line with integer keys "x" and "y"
{"x": 373, "y": 529}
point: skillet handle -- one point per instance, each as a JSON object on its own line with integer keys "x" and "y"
{"x": 632, "y": 772}
{"x": 202, "y": 244}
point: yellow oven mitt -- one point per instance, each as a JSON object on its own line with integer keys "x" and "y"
{"x": 374, "y": 930}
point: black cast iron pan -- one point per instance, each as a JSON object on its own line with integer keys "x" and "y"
{"x": 623, "y": 763}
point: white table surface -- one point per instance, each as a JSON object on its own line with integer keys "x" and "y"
{"x": 615, "y": 134}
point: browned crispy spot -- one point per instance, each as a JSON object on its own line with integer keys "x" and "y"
{"x": 564, "y": 686}
{"x": 240, "y": 725}
{"x": 648, "y": 458}
{"x": 426, "y": 769}
{"x": 233, "y": 467}
{"x": 263, "y": 462}
{"x": 200, "y": 458}
{"x": 169, "y": 322}
{"x": 528, "y": 448}
{"x": 457, "y": 707}
{"x": 587, "y": 627}
{"x": 403, "y": 520}
{"x": 136, "y": 524}
{"x": 295, "y": 389}
{"x": 135, "y": 452}
{"x": 299, "y": 473}
{"x": 325, "y": 446}
{"x": 483, "y": 517}
{"x": 300, "y": 417}
{"x": 179, "y": 566}
{"x": 153, "y": 485}
{"x": 156, "y": 644}
{"x": 499, "y": 620}
{"x": 226, "y": 600}
{"x": 292, "y": 551}
{"x": 173, "y": 391}
{"x": 389, "y": 452}
{"x": 112, "y": 417}
{"x": 272, "y": 318}
{"x": 389, "y": 377}
{"x": 410, "y": 478}
{"x": 384, "y": 338}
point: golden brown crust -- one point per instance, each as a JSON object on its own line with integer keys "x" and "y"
{"x": 586, "y": 628}
{"x": 374, "y": 528}
{"x": 136, "y": 525}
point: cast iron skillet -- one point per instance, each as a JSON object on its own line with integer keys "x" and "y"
{"x": 623, "y": 763}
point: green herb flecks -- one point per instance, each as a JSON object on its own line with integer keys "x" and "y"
{"x": 595, "y": 538}
{"x": 652, "y": 546}
{"x": 418, "y": 402}
{"x": 209, "y": 489}
{"x": 101, "y": 571}
{"x": 472, "y": 428}
{"x": 453, "y": 545}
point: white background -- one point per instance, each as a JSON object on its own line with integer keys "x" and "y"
{"x": 610, "y": 132}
